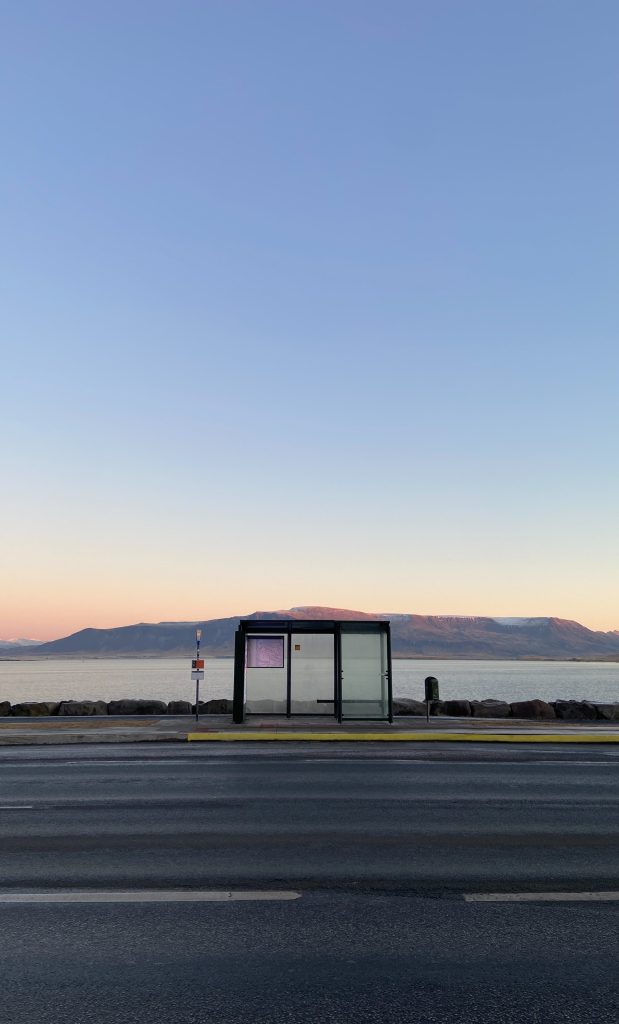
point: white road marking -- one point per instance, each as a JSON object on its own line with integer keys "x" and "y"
{"x": 441, "y": 761}
{"x": 132, "y": 763}
{"x": 18, "y": 807}
{"x": 149, "y": 896}
{"x": 197, "y": 761}
{"x": 539, "y": 897}
{"x": 365, "y": 760}
{"x": 558, "y": 761}
{"x": 136, "y": 761}
{"x": 89, "y": 764}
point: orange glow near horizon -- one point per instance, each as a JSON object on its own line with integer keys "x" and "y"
{"x": 42, "y": 623}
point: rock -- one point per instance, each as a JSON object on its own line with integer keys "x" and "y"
{"x": 591, "y": 710}
{"x": 490, "y": 708}
{"x": 216, "y": 706}
{"x": 29, "y": 709}
{"x": 406, "y": 706}
{"x": 137, "y": 707}
{"x": 122, "y": 707}
{"x": 578, "y": 710}
{"x": 609, "y": 712}
{"x": 532, "y": 709}
{"x": 5, "y": 708}
{"x": 152, "y": 707}
{"x": 179, "y": 707}
{"x": 82, "y": 707}
{"x": 223, "y": 706}
{"x": 456, "y": 708}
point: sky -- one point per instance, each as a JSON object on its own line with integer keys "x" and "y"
{"x": 308, "y": 303}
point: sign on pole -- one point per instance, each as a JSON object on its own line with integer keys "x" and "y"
{"x": 197, "y": 670}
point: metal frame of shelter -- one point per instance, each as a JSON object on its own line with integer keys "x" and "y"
{"x": 347, "y": 704}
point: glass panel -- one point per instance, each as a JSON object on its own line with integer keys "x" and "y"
{"x": 265, "y": 675}
{"x": 364, "y": 675}
{"x": 265, "y": 652}
{"x": 312, "y": 678}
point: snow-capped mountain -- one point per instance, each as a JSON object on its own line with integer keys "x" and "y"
{"x": 19, "y": 641}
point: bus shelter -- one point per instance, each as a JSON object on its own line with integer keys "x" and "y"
{"x": 337, "y": 668}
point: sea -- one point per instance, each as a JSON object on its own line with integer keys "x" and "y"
{"x": 170, "y": 679}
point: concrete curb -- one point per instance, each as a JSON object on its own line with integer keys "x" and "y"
{"x": 402, "y": 737}
{"x": 49, "y": 731}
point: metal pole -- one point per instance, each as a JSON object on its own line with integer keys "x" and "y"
{"x": 431, "y": 688}
{"x": 198, "y": 636}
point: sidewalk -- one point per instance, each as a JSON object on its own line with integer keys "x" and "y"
{"x": 218, "y": 728}
{"x": 95, "y": 729}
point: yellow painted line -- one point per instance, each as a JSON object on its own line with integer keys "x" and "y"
{"x": 404, "y": 737}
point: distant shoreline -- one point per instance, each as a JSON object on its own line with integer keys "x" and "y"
{"x": 530, "y": 659}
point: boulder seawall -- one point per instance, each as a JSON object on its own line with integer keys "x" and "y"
{"x": 538, "y": 710}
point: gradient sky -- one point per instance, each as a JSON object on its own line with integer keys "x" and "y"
{"x": 308, "y": 302}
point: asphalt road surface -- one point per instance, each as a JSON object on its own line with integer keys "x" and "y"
{"x": 385, "y": 868}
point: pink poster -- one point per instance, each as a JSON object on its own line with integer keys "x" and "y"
{"x": 265, "y": 652}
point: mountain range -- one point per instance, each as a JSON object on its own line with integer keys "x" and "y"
{"x": 413, "y": 636}
{"x": 18, "y": 642}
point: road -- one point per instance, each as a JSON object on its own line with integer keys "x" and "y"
{"x": 382, "y": 851}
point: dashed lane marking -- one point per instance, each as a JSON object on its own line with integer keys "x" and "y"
{"x": 150, "y": 896}
{"x": 541, "y": 897}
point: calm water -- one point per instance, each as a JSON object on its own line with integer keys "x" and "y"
{"x": 169, "y": 679}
